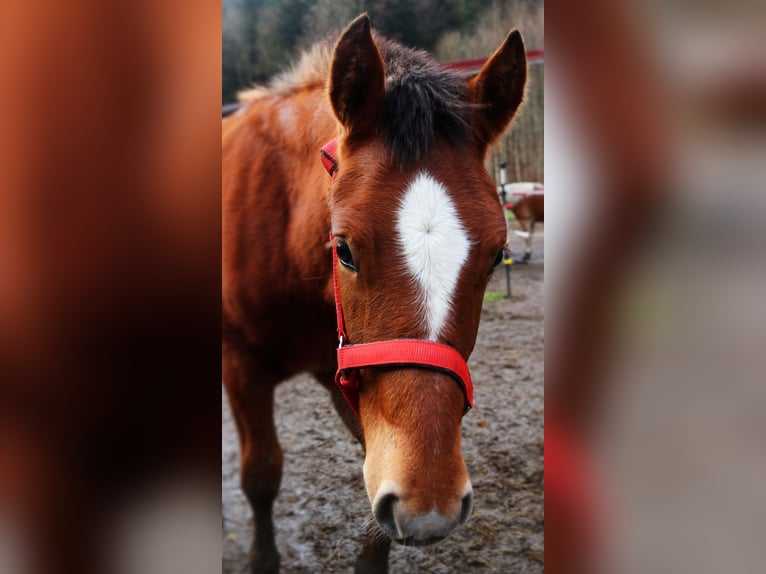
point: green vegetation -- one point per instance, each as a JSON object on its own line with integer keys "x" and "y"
{"x": 492, "y": 296}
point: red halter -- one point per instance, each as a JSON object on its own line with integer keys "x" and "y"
{"x": 403, "y": 353}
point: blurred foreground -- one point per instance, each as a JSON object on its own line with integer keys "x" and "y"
{"x": 109, "y": 287}
{"x": 655, "y": 173}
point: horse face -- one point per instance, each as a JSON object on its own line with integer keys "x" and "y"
{"x": 416, "y": 247}
{"x": 417, "y": 251}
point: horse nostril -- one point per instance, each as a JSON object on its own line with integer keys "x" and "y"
{"x": 465, "y": 508}
{"x": 384, "y": 512}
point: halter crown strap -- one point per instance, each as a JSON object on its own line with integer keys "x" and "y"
{"x": 329, "y": 156}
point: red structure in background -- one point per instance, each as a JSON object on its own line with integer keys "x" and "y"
{"x": 470, "y": 67}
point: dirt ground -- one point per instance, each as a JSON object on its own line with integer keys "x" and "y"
{"x": 322, "y": 509}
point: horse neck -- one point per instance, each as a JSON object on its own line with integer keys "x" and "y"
{"x": 305, "y": 123}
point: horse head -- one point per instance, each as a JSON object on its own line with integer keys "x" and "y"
{"x": 418, "y": 230}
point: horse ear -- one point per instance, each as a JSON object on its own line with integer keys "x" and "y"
{"x": 498, "y": 89}
{"x": 357, "y": 79}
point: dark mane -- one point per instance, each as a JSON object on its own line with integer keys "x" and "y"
{"x": 423, "y": 102}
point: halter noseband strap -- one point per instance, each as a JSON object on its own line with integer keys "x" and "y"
{"x": 401, "y": 353}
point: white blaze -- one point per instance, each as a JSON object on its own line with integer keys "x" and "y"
{"x": 434, "y": 245}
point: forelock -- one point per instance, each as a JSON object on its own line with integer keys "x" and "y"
{"x": 423, "y": 101}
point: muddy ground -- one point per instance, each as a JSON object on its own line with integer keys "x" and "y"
{"x": 322, "y": 508}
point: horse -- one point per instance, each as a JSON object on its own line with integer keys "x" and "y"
{"x": 389, "y": 255}
{"x": 529, "y": 210}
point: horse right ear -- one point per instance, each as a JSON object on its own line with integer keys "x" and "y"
{"x": 498, "y": 89}
{"x": 357, "y": 78}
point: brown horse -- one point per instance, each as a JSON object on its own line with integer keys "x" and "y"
{"x": 417, "y": 229}
{"x": 529, "y": 210}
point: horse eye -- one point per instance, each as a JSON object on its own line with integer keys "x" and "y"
{"x": 345, "y": 257}
{"x": 498, "y": 260}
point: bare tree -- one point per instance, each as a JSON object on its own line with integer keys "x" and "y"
{"x": 523, "y": 147}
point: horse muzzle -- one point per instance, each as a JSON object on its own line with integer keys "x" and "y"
{"x": 409, "y": 528}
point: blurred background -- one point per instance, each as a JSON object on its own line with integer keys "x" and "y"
{"x": 263, "y": 37}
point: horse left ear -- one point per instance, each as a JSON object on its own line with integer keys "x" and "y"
{"x": 498, "y": 89}
{"x": 357, "y": 78}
